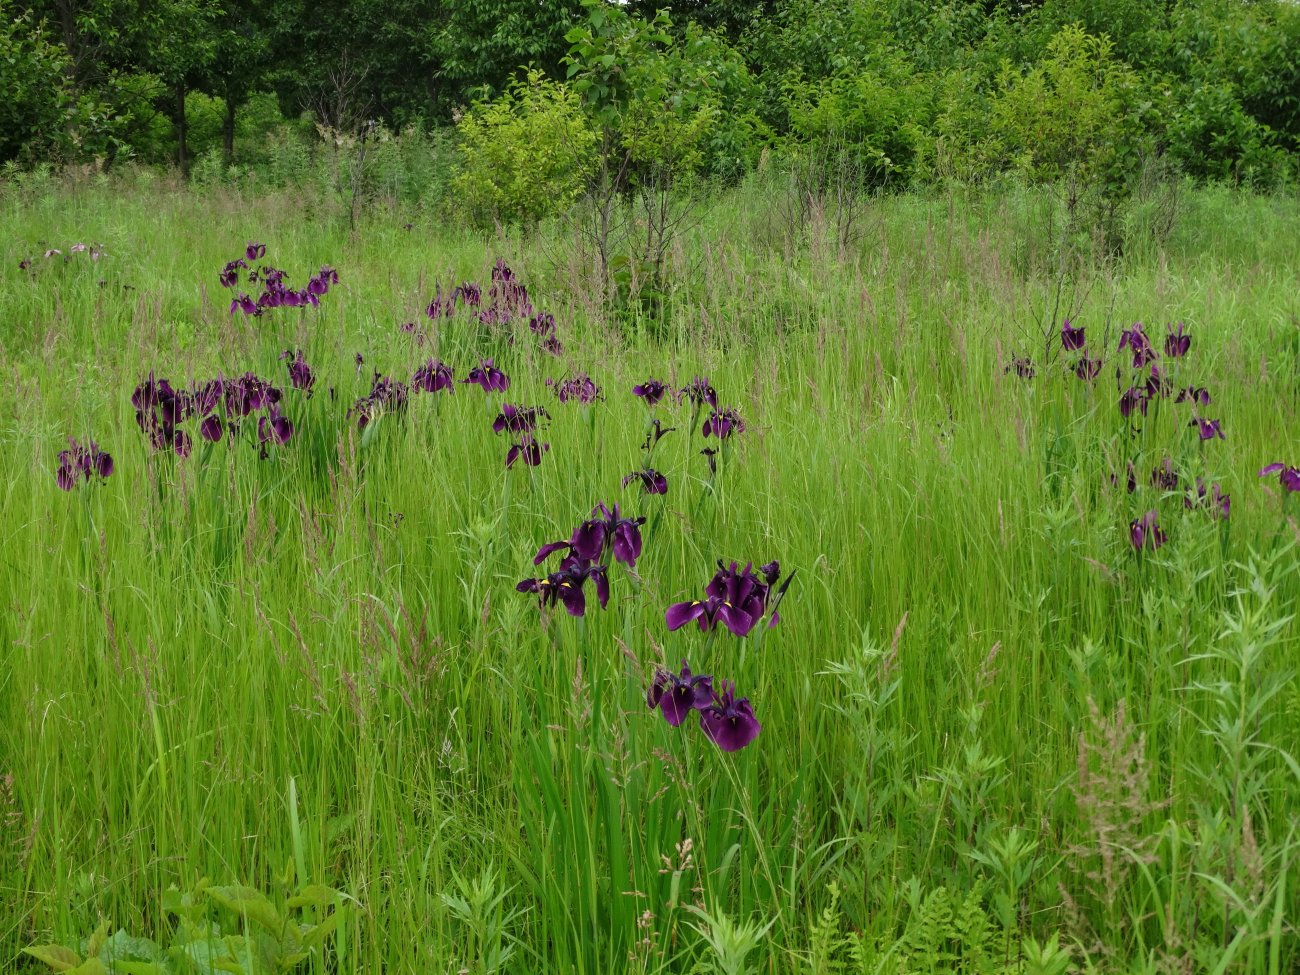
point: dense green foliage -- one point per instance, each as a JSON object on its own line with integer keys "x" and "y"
{"x": 909, "y": 92}
{"x": 994, "y": 738}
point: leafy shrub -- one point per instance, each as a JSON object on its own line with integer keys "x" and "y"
{"x": 882, "y": 109}
{"x": 1070, "y": 113}
{"x": 526, "y": 155}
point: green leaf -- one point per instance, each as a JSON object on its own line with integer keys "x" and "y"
{"x": 97, "y": 939}
{"x": 315, "y": 936}
{"x": 123, "y": 947}
{"x": 314, "y": 895}
{"x": 59, "y": 958}
{"x": 250, "y": 903}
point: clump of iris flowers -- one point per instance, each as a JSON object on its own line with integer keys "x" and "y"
{"x": 564, "y": 587}
{"x": 82, "y": 462}
{"x": 386, "y": 395}
{"x": 276, "y": 292}
{"x": 581, "y": 388}
{"x": 736, "y": 598}
{"x": 604, "y": 534}
{"x": 727, "y": 722}
{"x": 1145, "y": 532}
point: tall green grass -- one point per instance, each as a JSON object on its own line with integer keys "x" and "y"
{"x": 993, "y": 737}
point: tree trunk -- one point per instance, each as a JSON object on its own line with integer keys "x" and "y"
{"x": 182, "y": 159}
{"x": 228, "y": 131}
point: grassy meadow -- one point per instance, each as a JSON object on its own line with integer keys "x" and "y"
{"x": 995, "y": 736}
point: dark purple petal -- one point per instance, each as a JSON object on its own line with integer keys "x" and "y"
{"x": 1072, "y": 339}
{"x": 570, "y": 594}
{"x": 589, "y": 539}
{"x": 548, "y": 549}
{"x": 210, "y": 428}
{"x": 735, "y": 619}
{"x": 679, "y": 614}
{"x": 627, "y": 543}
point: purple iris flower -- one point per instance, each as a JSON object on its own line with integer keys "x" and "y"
{"x": 1145, "y": 532}
{"x": 518, "y": 419}
{"x": 1135, "y": 340}
{"x": 1288, "y": 477}
{"x": 581, "y": 388}
{"x": 1177, "y": 342}
{"x": 1087, "y": 369}
{"x": 1198, "y": 395}
{"x": 487, "y": 375}
{"x": 1071, "y": 337}
{"x": 468, "y": 292}
{"x": 433, "y": 376}
{"x": 652, "y": 482}
{"x": 159, "y": 410}
{"x": 508, "y": 293}
{"x": 245, "y": 304}
{"x": 1022, "y": 367}
{"x": 656, "y": 432}
{"x": 438, "y": 307}
{"x": 210, "y": 429}
{"x": 564, "y": 586}
{"x": 1213, "y": 500}
{"x": 677, "y": 695}
{"x": 711, "y": 455}
{"x": 1165, "y": 477}
{"x": 542, "y": 324}
{"x": 273, "y": 427}
{"x": 651, "y": 391}
{"x": 526, "y": 449}
{"x": 728, "y": 723}
{"x": 1208, "y": 429}
{"x": 230, "y": 273}
{"x": 386, "y": 396}
{"x": 300, "y": 374}
{"x": 723, "y": 424}
{"x": 254, "y": 252}
{"x": 1158, "y": 384}
{"x": 1134, "y": 398}
{"x": 699, "y": 392}
{"x": 606, "y": 531}
{"x": 84, "y": 461}
{"x": 736, "y": 598}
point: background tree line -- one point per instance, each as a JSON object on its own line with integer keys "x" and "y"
{"x": 537, "y": 100}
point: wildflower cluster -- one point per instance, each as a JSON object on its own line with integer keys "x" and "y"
{"x": 276, "y": 293}
{"x": 83, "y": 463}
{"x": 728, "y": 723}
{"x": 220, "y": 405}
{"x": 587, "y": 553}
{"x": 507, "y": 303}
